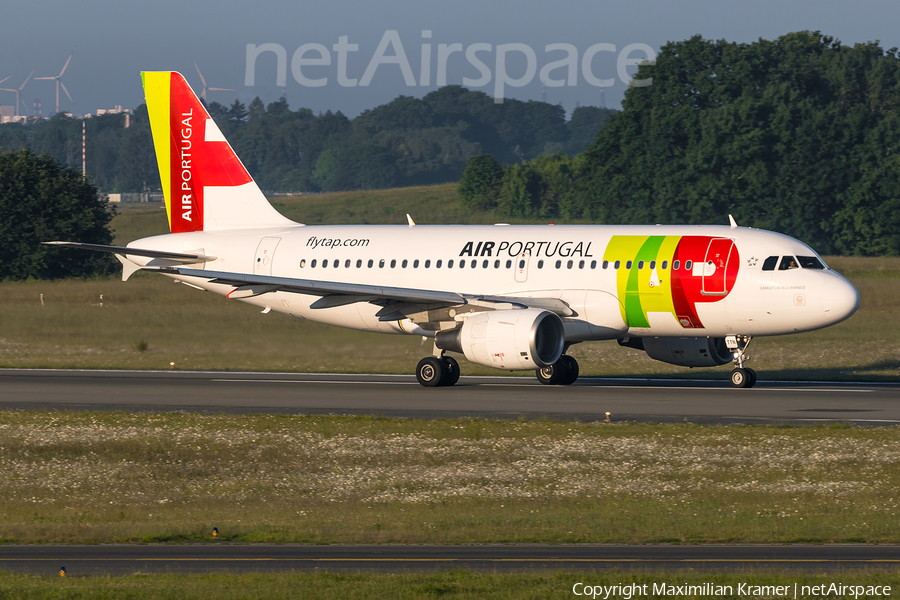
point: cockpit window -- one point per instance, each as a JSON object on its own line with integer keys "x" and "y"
{"x": 787, "y": 263}
{"x": 769, "y": 264}
{"x": 811, "y": 262}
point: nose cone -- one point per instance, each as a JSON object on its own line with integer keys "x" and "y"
{"x": 839, "y": 299}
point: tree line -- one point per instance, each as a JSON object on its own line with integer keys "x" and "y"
{"x": 799, "y": 135}
{"x": 408, "y": 141}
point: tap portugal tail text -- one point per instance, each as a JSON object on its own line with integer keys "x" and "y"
{"x": 509, "y": 297}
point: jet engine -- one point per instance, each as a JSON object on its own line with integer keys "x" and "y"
{"x": 684, "y": 352}
{"x": 508, "y": 339}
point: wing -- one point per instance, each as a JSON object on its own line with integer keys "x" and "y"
{"x": 395, "y": 300}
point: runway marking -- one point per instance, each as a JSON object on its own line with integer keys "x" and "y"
{"x": 313, "y": 381}
{"x": 536, "y": 385}
{"x": 470, "y": 559}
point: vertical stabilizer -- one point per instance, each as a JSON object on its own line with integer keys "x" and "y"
{"x": 206, "y": 186}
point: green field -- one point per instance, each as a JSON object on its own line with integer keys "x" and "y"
{"x": 77, "y": 477}
{"x": 447, "y": 585}
{"x": 150, "y": 322}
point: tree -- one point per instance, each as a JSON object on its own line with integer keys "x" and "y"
{"x": 42, "y": 201}
{"x": 479, "y": 185}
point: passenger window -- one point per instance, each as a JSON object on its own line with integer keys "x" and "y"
{"x": 616, "y": 265}
{"x": 302, "y": 263}
{"x": 347, "y": 264}
{"x": 359, "y": 263}
{"x": 664, "y": 264}
{"x": 652, "y": 264}
{"x": 788, "y": 263}
{"x": 462, "y": 264}
{"x": 449, "y": 264}
{"x": 313, "y": 264}
{"x": 337, "y": 263}
{"x": 558, "y": 264}
{"x": 569, "y": 265}
{"x": 628, "y": 265}
{"x": 688, "y": 264}
{"x": 325, "y": 263}
{"x": 416, "y": 264}
{"x": 437, "y": 265}
{"x": 580, "y": 264}
{"x": 370, "y": 263}
{"x": 769, "y": 263}
{"x": 475, "y": 263}
{"x": 605, "y": 264}
{"x": 381, "y": 264}
{"x": 676, "y": 265}
{"x": 427, "y": 264}
{"x": 509, "y": 264}
{"x": 404, "y": 263}
{"x": 540, "y": 264}
{"x": 811, "y": 262}
{"x": 393, "y": 262}
{"x": 484, "y": 265}
{"x": 496, "y": 264}
{"x": 640, "y": 265}
{"x": 593, "y": 264}
{"x": 521, "y": 264}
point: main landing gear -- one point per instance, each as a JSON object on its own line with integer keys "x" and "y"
{"x": 741, "y": 377}
{"x": 437, "y": 371}
{"x": 563, "y": 372}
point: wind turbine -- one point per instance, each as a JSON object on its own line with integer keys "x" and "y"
{"x": 17, "y": 91}
{"x": 60, "y": 83}
{"x": 203, "y": 93}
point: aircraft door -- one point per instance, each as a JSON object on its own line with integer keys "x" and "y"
{"x": 265, "y": 254}
{"x": 522, "y": 267}
{"x": 715, "y": 266}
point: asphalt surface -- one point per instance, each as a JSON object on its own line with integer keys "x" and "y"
{"x": 120, "y": 559}
{"x": 494, "y": 397}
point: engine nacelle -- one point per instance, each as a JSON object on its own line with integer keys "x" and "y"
{"x": 515, "y": 340}
{"x": 689, "y": 352}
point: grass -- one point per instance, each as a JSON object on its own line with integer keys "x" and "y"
{"x": 448, "y": 584}
{"x": 164, "y": 477}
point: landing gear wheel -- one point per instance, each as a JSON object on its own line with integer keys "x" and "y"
{"x": 741, "y": 378}
{"x": 451, "y": 371}
{"x": 570, "y": 373}
{"x": 752, "y": 375}
{"x": 430, "y": 371}
{"x": 550, "y": 375}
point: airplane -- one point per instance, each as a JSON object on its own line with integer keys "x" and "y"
{"x": 513, "y": 297}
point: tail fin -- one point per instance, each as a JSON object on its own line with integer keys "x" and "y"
{"x": 206, "y": 186}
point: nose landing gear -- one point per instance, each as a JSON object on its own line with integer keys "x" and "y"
{"x": 741, "y": 377}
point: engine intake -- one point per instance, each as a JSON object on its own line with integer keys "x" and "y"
{"x": 515, "y": 340}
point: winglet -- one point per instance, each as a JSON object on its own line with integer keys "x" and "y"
{"x": 732, "y": 221}
{"x": 411, "y": 222}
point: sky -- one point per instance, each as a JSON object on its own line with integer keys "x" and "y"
{"x": 113, "y": 41}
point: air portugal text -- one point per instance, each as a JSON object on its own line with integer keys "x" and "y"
{"x": 187, "y": 195}
{"x": 545, "y": 249}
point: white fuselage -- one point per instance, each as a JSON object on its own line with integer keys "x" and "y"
{"x": 561, "y": 262}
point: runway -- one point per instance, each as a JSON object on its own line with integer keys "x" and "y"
{"x": 492, "y": 397}
{"x": 121, "y": 559}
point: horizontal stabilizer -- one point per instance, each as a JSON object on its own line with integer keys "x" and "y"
{"x": 188, "y": 258}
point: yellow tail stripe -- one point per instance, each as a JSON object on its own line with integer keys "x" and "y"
{"x": 156, "y": 93}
